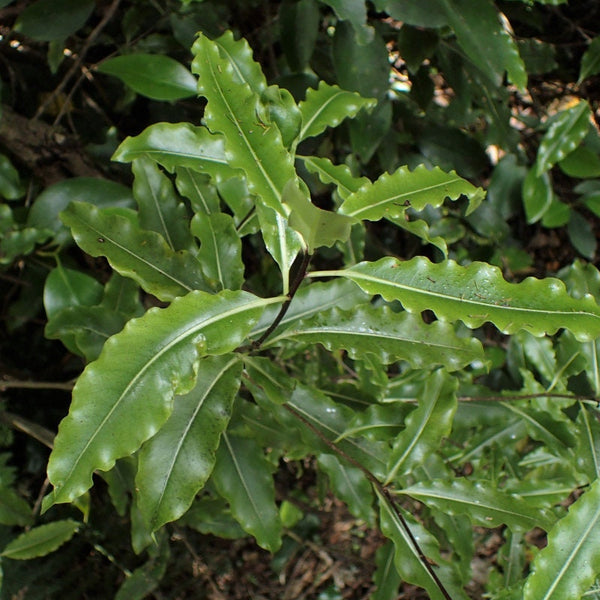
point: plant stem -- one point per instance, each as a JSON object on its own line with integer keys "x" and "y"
{"x": 381, "y": 490}
{"x": 286, "y": 305}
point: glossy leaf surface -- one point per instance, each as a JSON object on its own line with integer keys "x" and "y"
{"x": 328, "y": 106}
{"x": 153, "y": 75}
{"x": 391, "y": 195}
{"x": 141, "y": 369}
{"x": 568, "y": 565}
{"x": 243, "y": 476}
{"x": 179, "y": 145}
{"x": 385, "y": 335}
{"x": 142, "y": 255}
{"x": 564, "y": 135}
{"x": 425, "y": 426}
{"x": 176, "y": 463}
{"x": 476, "y": 294}
{"x": 482, "y": 504}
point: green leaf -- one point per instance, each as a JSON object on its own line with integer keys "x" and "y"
{"x": 581, "y": 163}
{"x": 386, "y": 577}
{"x": 588, "y": 443}
{"x": 160, "y": 209}
{"x": 408, "y": 561}
{"x": 41, "y": 540}
{"x": 65, "y": 288}
{"x": 570, "y": 563}
{"x": 196, "y": 187}
{"x": 14, "y": 510}
{"x": 425, "y": 13}
{"x": 299, "y": 29}
{"x": 47, "y": 20}
{"x": 385, "y": 335}
{"x": 179, "y": 145}
{"x": 221, "y": 250}
{"x": 243, "y": 477}
{"x": 176, "y": 463}
{"x": 146, "y": 579}
{"x": 582, "y": 235}
{"x": 391, "y": 195}
{"x": 425, "y": 426}
{"x": 133, "y": 252}
{"x": 537, "y": 195}
{"x": 590, "y": 61}
{"x": 340, "y": 175}
{"x": 141, "y": 369}
{"x": 312, "y": 300}
{"x": 565, "y": 133}
{"x": 332, "y": 420}
{"x": 477, "y": 294}
{"x": 487, "y": 44}
{"x": 350, "y": 485}
{"x": 11, "y": 187}
{"x": 484, "y": 505}
{"x": 211, "y": 516}
{"x": 317, "y": 227}
{"x": 155, "y": 76}
{"x": 355, "y": 12}
{"x": 87, "y": 326}
{"x": 252, "y": 145}
{"x": 328, "y": 106}
{"x": 54, "y": 199}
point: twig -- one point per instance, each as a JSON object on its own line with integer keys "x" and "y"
{"x": 37, "y": 432}
{"x": 108, "y": 15}
{"x": 36, "y": 385}
{"x": 286, "y": 305}
{"x": 381, "y": 490}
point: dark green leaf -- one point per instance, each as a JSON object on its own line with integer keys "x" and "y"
{"x": 176, "y": 463}
{"x": 41, "y": 540}
{"x": 299, "y": 26}
{"x": 141, "y": 369}
{"x": 46, "y": 20}
{"x": 242, "y": 475}
{"x": 152, "y": 75}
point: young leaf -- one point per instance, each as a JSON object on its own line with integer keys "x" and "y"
{"x": 159, "y": 208}
{"x": 178, "y": 145}
{"x": 140, "y": 370}
{"x": 317, "y": 227}
{"x": 339, "y": 175}
{"x": 391, "y": 195}
{"x": 570, "y": 563}
{"x": 564, "y": 135}
{"x": 142, "y": 255}
{"x": 243, "y": 477}
{"x": 221, "y": 250}
{"x": 41, "y": 540}
{"x": 252, "y": 145}
{"x": 176, "y": 463}
{"x": 155, "y": 76}
{"x": 482, "y": 504}
{"x": 328, "y": 106}
{"x": 386, "y": 335}
{"x": 476, "y": 294}
{"x": 425, "y": 426}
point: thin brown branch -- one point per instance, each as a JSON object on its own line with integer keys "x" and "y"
{"x": 383, "y": 492}
{"x": 37, "y": 432}
{"x": 76, "y": 66}
{"x": 67, "y": 386}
